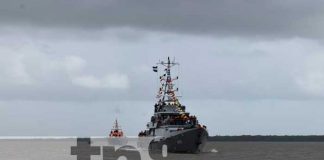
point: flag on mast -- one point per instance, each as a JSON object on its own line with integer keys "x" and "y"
{"x": 155, "y": 68}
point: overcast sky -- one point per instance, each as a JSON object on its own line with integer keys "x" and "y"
{"x": 68, "y": 68}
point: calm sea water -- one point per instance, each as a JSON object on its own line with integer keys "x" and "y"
{"x": 59, "y": 149}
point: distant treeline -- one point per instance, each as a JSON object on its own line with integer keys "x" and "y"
{"x": 272, "y": 138}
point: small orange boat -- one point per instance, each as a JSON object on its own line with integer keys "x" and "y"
{"x": 116, "y": 131}
{"x": 116, "y": 136}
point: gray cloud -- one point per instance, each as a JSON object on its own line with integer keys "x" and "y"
{"x": 111, "y": 68}
{"x": 250, "y": 18}
{"x": 242, "y": 60}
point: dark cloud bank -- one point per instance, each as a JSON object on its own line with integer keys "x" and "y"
{"x": 292, "y": 18}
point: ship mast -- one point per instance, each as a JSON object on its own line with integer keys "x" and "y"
{"x": 116, "y": 126}
{"x": 167, "y": 93}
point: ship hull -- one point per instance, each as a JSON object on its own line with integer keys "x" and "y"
{"x": 188, "y": 141}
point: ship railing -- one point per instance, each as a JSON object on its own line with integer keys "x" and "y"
{"x": 186, "y": 126}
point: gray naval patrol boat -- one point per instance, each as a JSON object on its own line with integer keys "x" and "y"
{"x": 171, "y": 125}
